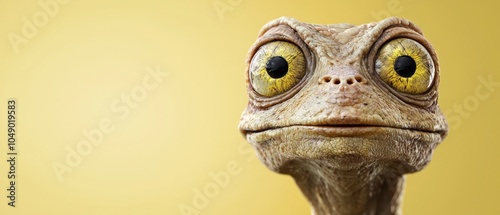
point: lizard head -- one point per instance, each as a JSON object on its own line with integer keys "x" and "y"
{"x": 345, "y": 95}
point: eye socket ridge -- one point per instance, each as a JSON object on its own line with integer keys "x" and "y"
{"x": 279, "y": 33}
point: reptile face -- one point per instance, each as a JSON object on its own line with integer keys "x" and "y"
{"x": 343, "y": 96}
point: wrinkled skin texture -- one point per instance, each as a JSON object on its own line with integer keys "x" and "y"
{"x": 345, "y": 136}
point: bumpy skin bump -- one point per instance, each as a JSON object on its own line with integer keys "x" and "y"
{"x": 344, "y": 135}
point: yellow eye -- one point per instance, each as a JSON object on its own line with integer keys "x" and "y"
{"x": 276, "y": 68}
{"x": 406, "y": 66}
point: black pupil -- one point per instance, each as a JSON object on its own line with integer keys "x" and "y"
{"x": 405, "y": 66}
{"x": 277, "y": 67}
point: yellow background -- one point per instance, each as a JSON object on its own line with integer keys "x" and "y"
{"x": 90, "y": 53}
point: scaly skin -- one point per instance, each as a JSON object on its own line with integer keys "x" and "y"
{"x": 345, "y": 136}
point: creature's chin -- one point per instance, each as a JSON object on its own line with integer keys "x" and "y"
{"x": 345, "y": 147}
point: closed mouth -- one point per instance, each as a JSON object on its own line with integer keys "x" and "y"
{"x": 340, "y": 130}
{"x": 344, "y": 126}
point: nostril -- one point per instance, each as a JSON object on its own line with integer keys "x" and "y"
{"x": 336, "y": 81}
{"x": 339, "y": 80}
{"x": 359, "y": 79}
{"x": 350, "y": 81}
{"x": 325, "y": 79}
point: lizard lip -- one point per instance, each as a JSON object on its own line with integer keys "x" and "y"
{"x": 346, "y": 126}
{"x": 331, "y": 130}
{"x": 341, "y": 129}
{"x": 335, "y": 123}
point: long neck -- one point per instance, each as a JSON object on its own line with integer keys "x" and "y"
{"x": 359, "y": 192}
